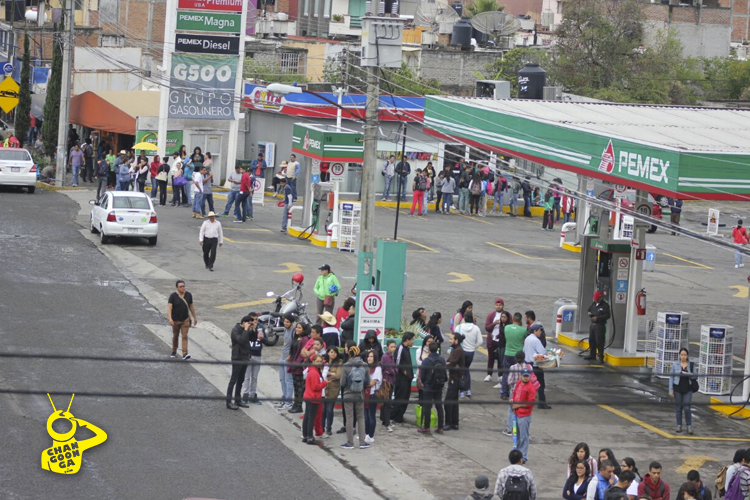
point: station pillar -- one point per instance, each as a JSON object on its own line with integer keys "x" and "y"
{"x": 632, "y": 322}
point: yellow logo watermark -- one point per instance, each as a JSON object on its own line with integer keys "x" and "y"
{"x": 65, "y": 455}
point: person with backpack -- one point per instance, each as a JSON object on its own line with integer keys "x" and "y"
{"x": 419, "y": 187}
{"x": 619, "y": 490}
{"x": 388, "y": 171}
{"x": 703, "y": 493}
{"x": 602, "y": 481}
{"x": 739, "y": 234}
{"x": 434, "y": 375}
{"x": 738, "y": 487}
{"x": 726, "y": 474}
{"x": 682, "y": 381}
{"x": 482, "y": 489}
{"x": 475, "y": 193}
{"x": 653, "y": 485}
{"x": 515, "y": 482}
{"x": 526, "y": 188}
{"x": 405, "y": 374}
{"x": 354, "y": 379}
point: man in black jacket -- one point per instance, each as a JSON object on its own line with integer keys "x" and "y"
{"x": 599, "y": 313}
{"x": 526, "y": 188}
{"x": 403, "y": 169}
{"x": 240, "y": 355}
{"x": 456, "y": 362}
{"x": 404, "y": 377}
{"x": 433, "y": 374}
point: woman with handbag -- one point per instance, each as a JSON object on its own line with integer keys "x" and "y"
{"x": 682, "y": 385}
{"x": 162, "y": 174}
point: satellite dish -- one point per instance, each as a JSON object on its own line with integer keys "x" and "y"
{"x": 431, "y": 14}
{"x": 495, "y": 23}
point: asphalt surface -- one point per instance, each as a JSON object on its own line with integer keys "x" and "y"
{"x": 61, "y": 295}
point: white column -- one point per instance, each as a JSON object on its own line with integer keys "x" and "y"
{"x": 166, "y": 64}
{"x": 634, "y": 282}
{"x": 234, "y": 125}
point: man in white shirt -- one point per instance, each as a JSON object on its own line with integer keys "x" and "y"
{"x": 197, "y": 188}
{"x": 210, "y": 236}
{"x": 234, "y": 180}
{"x": 531, "y": 347}
{"x": 389, "y": 170}
{"x": 292, "y": 173}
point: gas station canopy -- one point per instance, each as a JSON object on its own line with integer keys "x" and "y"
{"x": 688, "y": 152}
{"x": 327, "y": 143}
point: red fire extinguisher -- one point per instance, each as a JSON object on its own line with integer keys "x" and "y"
{"x": 640, "y": 302}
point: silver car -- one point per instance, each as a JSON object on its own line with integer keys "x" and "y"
{"x": 17, "y": 168}
{"x": 124, "y": 214}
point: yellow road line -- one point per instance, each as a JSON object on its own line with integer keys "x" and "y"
{"x": 426, "y": 248}
{"x": 261, "y": 243}
{"x": 474, "y": 218}
{"x": 678, "y": 265}
{"x": 244, "y": 229}
{"x": 555, "y": 247}
{"x": 246, "y": 304}
{"x": 686, "y": 260}
{"x": 662, "y": 433}
{"x": 528, "y": 256}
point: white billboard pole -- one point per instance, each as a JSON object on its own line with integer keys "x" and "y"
{"x": 234, "y": 125}
{"x": 169, "y": 29}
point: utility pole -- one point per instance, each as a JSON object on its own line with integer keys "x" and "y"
{"x": 234, "y": 125}
{"x": 401, "y": 180}
{"x": 67, "y": 78}
{"x": 164, "y": 89}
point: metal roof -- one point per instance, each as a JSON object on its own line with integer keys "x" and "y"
{"x": 683, "y": 128}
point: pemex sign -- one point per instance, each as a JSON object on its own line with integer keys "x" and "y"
{"x": 635, "y": 165}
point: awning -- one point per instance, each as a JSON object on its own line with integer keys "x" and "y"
{"x": 113, "y": 111}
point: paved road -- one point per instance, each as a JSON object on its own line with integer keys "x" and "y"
{"x": 61, "y": 295}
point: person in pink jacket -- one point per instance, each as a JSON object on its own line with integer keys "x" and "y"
{"x": 739, "y": 234}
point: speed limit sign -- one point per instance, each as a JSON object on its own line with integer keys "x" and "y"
{"x": 371, "y": 312}
{"x": 620, "y": 191}
{"x": 337, "y": 171}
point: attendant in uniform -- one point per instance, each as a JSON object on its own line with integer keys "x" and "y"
{"x": 599, "y": 314}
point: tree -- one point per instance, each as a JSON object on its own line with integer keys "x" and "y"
{"x": 52, "y": 101}
{"x": 479, "y": 6}
{"x": 24, "y": 95}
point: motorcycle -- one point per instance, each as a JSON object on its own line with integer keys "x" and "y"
{"x": 271, "y": 322}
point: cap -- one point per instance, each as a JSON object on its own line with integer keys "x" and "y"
{"x": 325, "y": 267}
{"x": 212, "y": 214}
{"x": 499, "y": 301}
{"x": 597, "y": 296}
{"x": 535, "y": 326}
{"x": 525, "y": 372}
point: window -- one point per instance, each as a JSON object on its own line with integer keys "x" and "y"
{"x": 326, "y": 8}
{"x": 290, "y": 63}
{"x": 131, "y": 202}
{"x": 306, "y": 7}
{"x": 21, "y": 155}
{"x": 316, "y": 6}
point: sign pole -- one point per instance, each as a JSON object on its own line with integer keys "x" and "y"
{"x": 161, "y": 141}
{"x": 234, "y": 125}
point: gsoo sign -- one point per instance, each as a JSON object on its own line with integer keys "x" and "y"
{"x": 202, "y": 87}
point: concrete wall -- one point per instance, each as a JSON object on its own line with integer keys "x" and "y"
{"x": 456, "y": 69}
{"x": 698, "y": 40}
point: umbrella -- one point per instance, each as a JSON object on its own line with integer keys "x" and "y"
{"x": 146, "y": 145}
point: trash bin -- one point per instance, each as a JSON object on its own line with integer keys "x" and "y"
{"x": 650, "y": 263}
{"x": 568, "y": 317}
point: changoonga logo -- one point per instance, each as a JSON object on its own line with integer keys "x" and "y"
{"x": 66, "y": 453}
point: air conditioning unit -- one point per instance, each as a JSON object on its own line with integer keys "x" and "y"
{"x": 552, "y": 93}
{"x": 494, "y": 89}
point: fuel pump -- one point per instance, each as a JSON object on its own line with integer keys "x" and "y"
{"x": 604, "y": 273}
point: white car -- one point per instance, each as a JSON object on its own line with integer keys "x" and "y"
{"x": 17, "y": 168}
{"x": 124, "y": 213}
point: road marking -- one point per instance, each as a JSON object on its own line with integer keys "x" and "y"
{"x": 742, "y": 291}
{"x": 460, "y": 278}
{"x": 662, "y": 433}
{"x": 686, "y": 260}
{"x": 694, "y": 462}
{"x": 426, "y": 248}
{"x": 530, "y": 246}
{"x": 474, "y": 218}
{"x": 246, "y": 304}
{"x": 262, "y": 243}
{"x": 259, "y": 230}
{"x": 291, "y": 267}
{"x": 528, "y": 256}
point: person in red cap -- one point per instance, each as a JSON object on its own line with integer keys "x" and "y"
{"x": 599, "y": 313}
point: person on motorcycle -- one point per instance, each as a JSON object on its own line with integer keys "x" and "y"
{"x": 326, "y": 289}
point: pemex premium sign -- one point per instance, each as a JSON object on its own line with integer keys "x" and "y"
{"x": 214, "y": 5}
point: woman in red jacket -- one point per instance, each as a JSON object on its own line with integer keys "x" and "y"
{"x": 314, "y": 385}
{"x": 154, "y": 171}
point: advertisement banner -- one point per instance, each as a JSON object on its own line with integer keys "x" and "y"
{"x": 208, "y": 21}
{"x": 174, "y": 138}
{"x": 202, "y": 87}
{"x": 207, "y": 44}
{"x": 213, "y": 5}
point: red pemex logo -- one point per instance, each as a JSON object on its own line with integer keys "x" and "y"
{"x": 608, "y": 159}
{"x": 306, "y": 146}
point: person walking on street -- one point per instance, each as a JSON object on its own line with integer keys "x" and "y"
{"x": 326, "y": 289}
{"x": 314, "y": 385}
{"x": 495, "y": 339}
{"x": 675, "y": 209}
{"x": 516, "y": 478}
{"x": 288, "y": 200}
{"x": 355, "y": 378}
{"x": 456, "y": 364}
{"x": 532, "y": 347}
{"x": 515, "y": 334}
{"x": 388, "y": 171}
{"x": 197, "y": 191}
{"x": 250, "y": 382}
{"x": 681, "y": 381}
{"x": 243, "y": 198}
{"x": 75, "y": 162}
{"x": 419, "y": 187}
{"x": 403, "y": 169}
{"x": 739, "y": 234}
{"x": 434, "y": 375}
{"x": 240, "y": 336}
{"x": 526, "y": 188}
{"x": 653, "y": 485}
{"x": 179, "y": 308}
{"x": 472, "y": 340}
{"x": 599, "y": 313}
{"x": 524, "y": 397}
{"x": 403, "y": 377}
{"x": 208, "y": 192}
{"x": 210, "y": 236}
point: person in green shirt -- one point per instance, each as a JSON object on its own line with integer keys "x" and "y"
{"x": 111, "y": 161}
{"x": 515, "y": 334}
{"x": 326, "y": 289}
{"x": 549, "y": 212}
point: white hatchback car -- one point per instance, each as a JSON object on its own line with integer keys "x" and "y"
{"x": 17, "y": 168}
{"x": 124, "y": 213}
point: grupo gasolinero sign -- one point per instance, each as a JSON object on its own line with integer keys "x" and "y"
{"x": 214, "y": 5}
{"x": 215, "y": 22}
{"x": 207, "y": 44}
{"x": 327, "y": 143}
{"x": 202, "y": 86}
